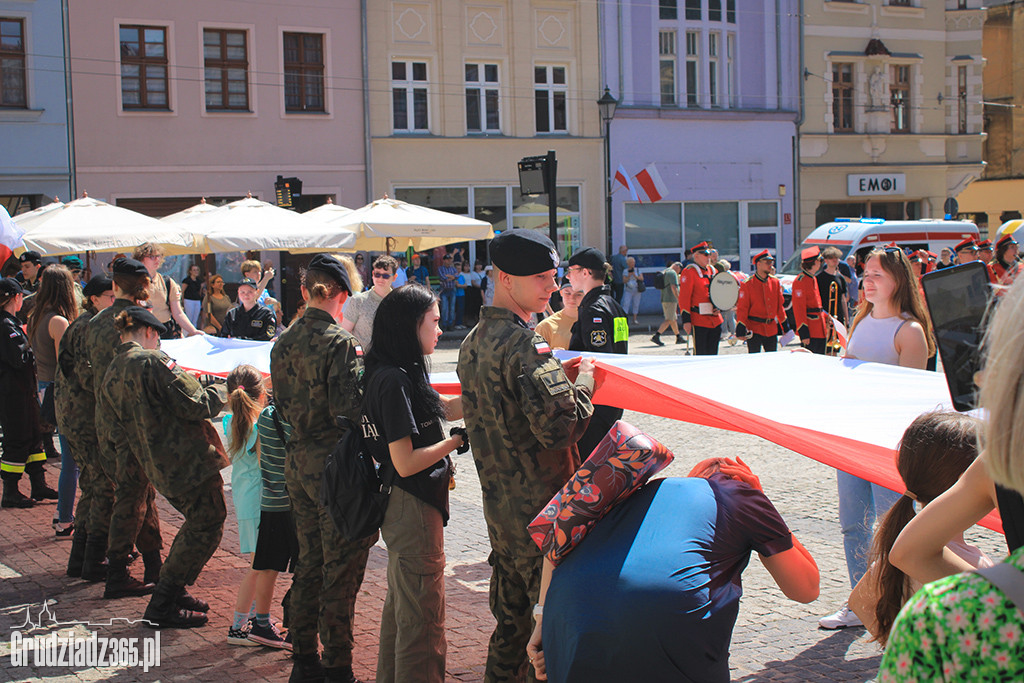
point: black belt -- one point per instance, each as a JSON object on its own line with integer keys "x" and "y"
{"x": 813, "y": 310}
{"x": 763, "y": 321}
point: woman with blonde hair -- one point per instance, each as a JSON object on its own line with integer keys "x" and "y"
{"x": 891, "y": 327}
{"x": 966, "y": 626}
{"x": 164, "y": 293}
{"x": 55, "y": 308}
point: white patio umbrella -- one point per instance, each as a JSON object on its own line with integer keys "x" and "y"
{"x": 411, "y": 225}
{"x": 89, "y": 224}
{"x": 31, "y": 218}
{"x": 253, "y": 225}
{"x": 189, "y": 214}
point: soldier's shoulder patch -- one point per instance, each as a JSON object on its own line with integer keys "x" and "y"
{"x": 169, "y": 362}
{"x": 541, "y": 346}
{"x": 359, "y": 349}
{"x": 554, "y": 380}
{"x": 598, "y": 337}
{"x": 14, "y": 334}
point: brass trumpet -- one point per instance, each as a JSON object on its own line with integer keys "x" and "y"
{"x": 833, "y": 347}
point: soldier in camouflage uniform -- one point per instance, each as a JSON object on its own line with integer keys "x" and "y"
{"x": 76, "y": 420}
{"x": 524, "y": 417}
{"x": 164, "y": 414}
{"x": 316, "y": 368}
{"x": 134, "y": 519}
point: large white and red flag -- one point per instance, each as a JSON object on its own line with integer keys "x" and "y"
{"x": 650, "y": 181}
{"x": 622, "y": 178}
{"x": 10, "y": 235}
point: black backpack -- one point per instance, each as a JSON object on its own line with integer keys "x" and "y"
{"x": 659, "y": 280}
{"x": 352, "y": 490}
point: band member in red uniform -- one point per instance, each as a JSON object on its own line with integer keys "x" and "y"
{"x": 1004, "y": 267}
{"x": 807, "y": 312}
{"x": 985, "y": 251}
{"x": 699, "y": 314}
{"x": 760, "y": 312}
{"x": 966, "y": 251}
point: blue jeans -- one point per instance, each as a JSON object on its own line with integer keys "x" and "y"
{"x": 460, "y": 308}
{"x": 861, "y": 503}
{"x": 447, "y": 308}
{"x": 67, "y": 485}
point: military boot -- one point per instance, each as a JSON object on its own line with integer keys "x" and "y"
{"x": 40, "y": 491}
{"x": 13, "y": 498}
{"x": 152, "y": 562}
{"x": 76, "y": 558}
{"x": 306, "y": 669}
{"x": 94, "y": 564}
{"x": 186, "y": 600}
{"x": 121, "y": 584}
{"x": 341, "y": 674}
{"x": 163, "y": 613}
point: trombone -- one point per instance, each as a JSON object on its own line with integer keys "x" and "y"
{"x": 833, "y": 347}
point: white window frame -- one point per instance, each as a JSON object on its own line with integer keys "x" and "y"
{"x": 552, "y": 90}
{"x": 714, "y": 69}
{"x": 668, "y": 59}
{"x": 482, "y": 87}
{"x": 731, "y": 82}
{"x": 692, "y": 76}
{"x": 410, "y": 85}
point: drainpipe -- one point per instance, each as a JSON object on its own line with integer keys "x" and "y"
{"x": 69, "y": 110}
{"x": 796, "y": 138}
{"x": 367, "y": 148}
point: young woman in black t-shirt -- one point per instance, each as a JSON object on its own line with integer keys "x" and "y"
{"x": 403, "y": 420}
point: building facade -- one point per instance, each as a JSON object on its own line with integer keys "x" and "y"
{"x": 34, "y": 99}
{"x": 178, "y": 101}
{"x": 459, "y": 91}
{"x": 707, "y": 94}
{"x": 998, "y": 196}
{"x": 892, "y": 125}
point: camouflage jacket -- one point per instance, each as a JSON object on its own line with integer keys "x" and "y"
{"x": 162, "y": 412}
{"x": 100, "y": 341}
{"x": 524, "y": 417}
{"x": 73, "y": 398}
{"x": 316, "y": 368}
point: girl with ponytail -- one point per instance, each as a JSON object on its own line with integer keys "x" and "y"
{"x": 935, "y": 451}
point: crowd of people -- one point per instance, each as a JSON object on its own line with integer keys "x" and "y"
{"x": 132, "y": 424}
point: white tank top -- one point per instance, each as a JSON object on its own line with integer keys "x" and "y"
{"x": 874, "y": 339}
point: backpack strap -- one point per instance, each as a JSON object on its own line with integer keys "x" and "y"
{"x": 1008, "y": 579}
{"x": 167, "y": 286}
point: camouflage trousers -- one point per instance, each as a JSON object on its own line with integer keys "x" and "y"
{"x": 134, "y": 520}
{"x": 515, "y": 588}
{"x": 204, "y": 511}
{"x": 328, "y": 571}
{"x": 92, "y": 513}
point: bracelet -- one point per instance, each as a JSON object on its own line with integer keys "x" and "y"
{"x": 538, "y": 610}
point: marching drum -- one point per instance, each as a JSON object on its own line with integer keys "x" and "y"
{"x": 724, "y": 291}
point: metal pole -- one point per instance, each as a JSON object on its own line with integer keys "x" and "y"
{"x": 608, "y": 184}
{"x": 552, "y": 191}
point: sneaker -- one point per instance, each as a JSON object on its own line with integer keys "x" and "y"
{"x": 240, "y": 636}
{"x": 268, "y": 635}
{"x": 657, "y": 340}
{"x": 64, "y": 530}
{"x": 844, "y": 618}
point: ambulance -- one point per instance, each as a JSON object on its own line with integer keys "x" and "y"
{"x": 859, "y": 236}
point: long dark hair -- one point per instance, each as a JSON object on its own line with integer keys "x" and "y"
{"x": 934, "y": 452}
{"x": 396, "y": 343}
{"x": 56, "y": 295}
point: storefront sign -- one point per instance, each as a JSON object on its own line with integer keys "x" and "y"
{"x": 858, "y": 185}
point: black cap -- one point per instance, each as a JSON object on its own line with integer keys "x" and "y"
{"x": 144, "y": 317}
{"x": 72, "y": 262}
{"x": 588, "y": 257}
{"x": 128, "y": 266}
{"x": 333, "y": 267}
{"x": 248, "y": 281}
{"x": 523, "y": 252}
{"x": 32, "y": 256}
{"x": 564, "y": 283}
{"x": 9, "y": 286}
{"x": 97, "y": 285}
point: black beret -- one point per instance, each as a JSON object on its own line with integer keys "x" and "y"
{"x": 128, "y": 266}
{"x": 32, "y": 256}
{"x": 523, "y": 252}
{"x": 333, "y": 267}
{"x": 588, "y": 257}
{"x": 10, "y": 286}
{"x": 97, "y": 285}
{"x": 144, "y": 317}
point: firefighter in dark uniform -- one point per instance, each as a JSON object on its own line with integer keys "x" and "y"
{"x": 760, "y": 311}
{"x": 249, "y": 320}
{"x": 601, "y": 327}
{"x": 807, "y": 313}
{"x": 699, "y": 315}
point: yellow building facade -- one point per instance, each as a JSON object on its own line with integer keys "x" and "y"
{"x": 459, "y": 91}
{"x": 892, "y": 123}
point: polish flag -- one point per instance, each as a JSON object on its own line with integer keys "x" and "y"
{"x": 623, "y": 179}
{"x": 841, "y": 333}
{"x": 10, "y": 236}
{"x": 652, "y": 184}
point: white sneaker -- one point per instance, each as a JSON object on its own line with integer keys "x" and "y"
{"x": 844, "y": 618}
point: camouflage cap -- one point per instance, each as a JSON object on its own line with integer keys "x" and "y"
{"x": 523, "y": 252}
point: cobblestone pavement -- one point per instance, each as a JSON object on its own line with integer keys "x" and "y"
{"x": 774, "y": 640}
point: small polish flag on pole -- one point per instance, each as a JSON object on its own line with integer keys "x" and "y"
{"x": 623, "y": 179}
{"x": 10, "y": 236}
{"x": 652, "y": 184}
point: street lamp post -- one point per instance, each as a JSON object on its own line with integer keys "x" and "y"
{"x": 607, "y": 105}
